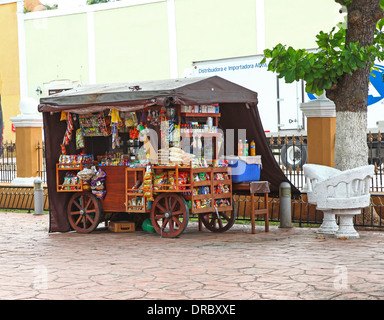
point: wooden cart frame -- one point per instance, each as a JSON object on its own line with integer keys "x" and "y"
{"x": 168, "y": 212}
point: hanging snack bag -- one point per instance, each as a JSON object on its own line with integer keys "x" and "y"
{"x": 79, "y": 139}
{"x": 147, "y": 185}
{"x": 97, "y": 184}
{"x": 172, "y": 180}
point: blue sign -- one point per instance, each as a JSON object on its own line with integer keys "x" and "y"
{"x": 376, "y": 87}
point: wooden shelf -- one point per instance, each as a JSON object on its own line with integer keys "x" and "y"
{"x": 224, "y": 208}
{"x": 132, "y": 176}
{"x": 60, "y": 177}
{"x": 222, "y": 195}
{"x": 216, "y": 182}
{"x": 137, "y": 194}
{"x": 78, "y": 187}
{"x": 211, "y": 183}
{"x": 201, "y": 134}
{"x": 202, "y": 183}
{"x": 196, "y": 114}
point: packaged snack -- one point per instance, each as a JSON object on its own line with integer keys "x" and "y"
{"x": 205, "y": 203}
{"x": 172, "y": 180}
{"x": 160, "y": 179}
{"x": 79, "y": 139}
{"x": 148, "y": 194}
{"x": 219, "y": 176}
{"x": 219, "y": 188}
{"x": 222, "y": 203}
{"x": 137, "y": 184}
{"x": 203, "y": 176}
{"x": 204, "y": 190}
{"x": 183, "y": 179}
{"x": 99, "y": 194}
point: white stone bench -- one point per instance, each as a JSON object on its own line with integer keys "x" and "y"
{"x": 314, "y": 174}
{"x": 340, "y": 193}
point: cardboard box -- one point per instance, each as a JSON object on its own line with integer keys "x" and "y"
{"x": 121, "y": 226}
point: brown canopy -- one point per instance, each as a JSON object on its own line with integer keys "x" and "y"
{"x": 238, "y": 107}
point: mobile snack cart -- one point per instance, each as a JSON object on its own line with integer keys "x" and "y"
{"x": 150, "y": 148}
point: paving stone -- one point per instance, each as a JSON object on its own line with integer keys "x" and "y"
{"x": 283, "y": 264}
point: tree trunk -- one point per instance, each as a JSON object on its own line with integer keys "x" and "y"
{"x": 351, "y": 93}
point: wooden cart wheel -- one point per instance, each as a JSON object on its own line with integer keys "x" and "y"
{"x": 220, "y": 221}
{"x": 169, "y": 215}
{"x": 84, "y": 212}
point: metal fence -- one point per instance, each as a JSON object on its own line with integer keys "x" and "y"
{"x": 291, "y": 154}
{"x": 8, "y": 166}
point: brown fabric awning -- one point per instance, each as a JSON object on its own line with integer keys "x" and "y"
{"x": 238, "y": 108}
{"x": 135, "y": 95}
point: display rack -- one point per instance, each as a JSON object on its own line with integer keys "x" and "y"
{"x": 214, "y": 135}
{"x": 135, "y": 200}
{"x": 211, "y": 196}
{"x": 61, "y": 171}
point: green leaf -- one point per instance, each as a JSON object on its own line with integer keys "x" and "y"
{"x": 290, "y": 76}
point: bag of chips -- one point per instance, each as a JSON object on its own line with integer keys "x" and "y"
{"x": 172, "y": 180}
{"x": 160, "y": 180}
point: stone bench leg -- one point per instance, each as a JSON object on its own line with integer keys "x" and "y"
{"x": 346, "y": 226}
{"x": 329, "y": 225}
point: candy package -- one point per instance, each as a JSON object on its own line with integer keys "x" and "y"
{"x": 80, "y": 139}
{"x": 159, "y": 180}
{"x": 183, "y": 179}
{"x": 203, "y": 176}
{"x": 100, "y": 194}
{"x": 205, "y": 203}
{"x": 222, "y": 203}
{"x": 204, "y": 190}
{"x": 172, "y": 180}
{"x": 222, "y": 188}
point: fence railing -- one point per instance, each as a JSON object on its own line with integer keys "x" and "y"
{"x": 8, "y": 165}
{"x": 291, "y": 154}
{"x": 42, "y": 173}
{"x": 8, "y": 168}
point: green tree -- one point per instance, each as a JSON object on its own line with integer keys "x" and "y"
{"x": 341, "y": 66}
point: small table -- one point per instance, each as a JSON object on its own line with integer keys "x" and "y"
{"x": 254, "y": 187}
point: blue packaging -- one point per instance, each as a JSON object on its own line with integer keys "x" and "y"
{"x": 243, "y": 172}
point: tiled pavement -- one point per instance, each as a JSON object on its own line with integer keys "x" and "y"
{"x": 283, "y": 264}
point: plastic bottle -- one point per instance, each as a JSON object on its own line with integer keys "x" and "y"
{"x": 253, "y": 148}
{"x": 240, "y": 148}
{"x": 246, "y": 146}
